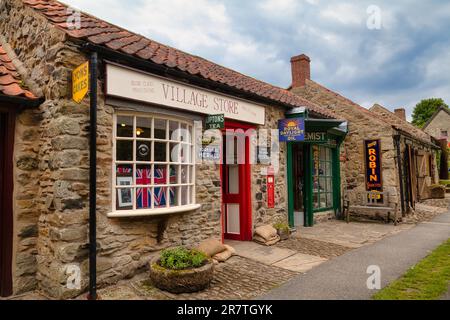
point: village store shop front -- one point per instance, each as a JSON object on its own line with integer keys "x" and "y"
{"x": 313, "y": 169}
{"x": 156, "y": 157}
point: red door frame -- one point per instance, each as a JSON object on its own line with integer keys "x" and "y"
{"x": 244, "y": 197}
{"x": 7, "y": 122}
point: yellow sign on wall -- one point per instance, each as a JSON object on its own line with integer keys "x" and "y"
{"x": 80, "y": 82}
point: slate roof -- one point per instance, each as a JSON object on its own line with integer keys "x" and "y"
{"x": 10, "y": 81}
{"x": 99, "y": 32}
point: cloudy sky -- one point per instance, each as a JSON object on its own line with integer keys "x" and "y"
{"x": 397, "y": 63}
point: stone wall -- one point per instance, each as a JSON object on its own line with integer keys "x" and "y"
{"x": 439, "y": 123}
{"x": 362, "y": 126}
{"x": 263, "y": 215}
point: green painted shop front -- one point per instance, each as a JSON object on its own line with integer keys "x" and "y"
{"x": 313, "y": 170}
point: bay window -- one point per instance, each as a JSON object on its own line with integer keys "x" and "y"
{"x": 153, "y": 164}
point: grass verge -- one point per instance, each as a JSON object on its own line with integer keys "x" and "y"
{"x": 428, "y": 280}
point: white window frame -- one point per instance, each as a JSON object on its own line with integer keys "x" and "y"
{"x": 191, "y": 168}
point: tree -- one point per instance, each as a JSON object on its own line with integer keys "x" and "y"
{"x": 425, "y": 109}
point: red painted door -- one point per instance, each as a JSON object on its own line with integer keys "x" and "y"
{"x": 6, "y": 186}
{"x": 236, "y": 187}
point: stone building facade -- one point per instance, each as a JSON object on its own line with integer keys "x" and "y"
{"x": 439, "y": 125}
{"x": 51, "y": 151}
{"x": 396, "y": 135}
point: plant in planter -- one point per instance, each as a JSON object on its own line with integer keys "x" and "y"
{"x": 181, "y": 270}
{"x": 283, "y": 230}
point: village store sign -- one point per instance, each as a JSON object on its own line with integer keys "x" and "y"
{"x": 135, "y": 85}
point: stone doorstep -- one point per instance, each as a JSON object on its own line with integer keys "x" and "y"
{"x": 277, "y": 257}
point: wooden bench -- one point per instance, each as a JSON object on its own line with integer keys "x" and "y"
{"x": 371, "y": 201}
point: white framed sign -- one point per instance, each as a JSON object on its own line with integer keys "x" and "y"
{"x": 127, "y": 83}
{"x": 125, "y": 196}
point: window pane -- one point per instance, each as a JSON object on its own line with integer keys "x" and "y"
{"x": 174, "y": 196}
{"x": 160, "y": 151}
{"x": 191, "y": 174}
{"x": 174, "y": 152}
{"x": 323, "y": 200}
{"x": 143, "y": 151}
{"x": 184, "y": 196}
{"x": 124, "y": 150}
{"x": 329, "y": 200}
{"x": 174, "y": 174}
{"x": 329, "y": 185}
{"x": 143, "y": 128}
{"x": 124, "y": 199}
{"x": 161, "y": 197}
{"x": 185, "y": 135}
{"x": 322, "y": 184}
{"x": 124, "y": 171}
{"x": 160, "y": 174}
{"x": 144, "y": 198}
{"x": 316, "y": 200}
{"x": 185, "y": 153}
{"x": 173, "y": 131}
{"x": 184, "y": 174}
{"x": 160, "y": 129}
{"x": 143, "y": 175}
{"x": 124, "y": 127}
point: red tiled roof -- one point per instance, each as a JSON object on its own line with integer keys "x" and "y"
{"x": 10, "y": 82}
{"x": 102, "y": 33}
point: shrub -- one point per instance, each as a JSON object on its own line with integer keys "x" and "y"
{"x": 282, "y": 226}
{"x": 182, "y": 258}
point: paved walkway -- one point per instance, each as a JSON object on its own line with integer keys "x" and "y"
{"x": 345, "y": 277}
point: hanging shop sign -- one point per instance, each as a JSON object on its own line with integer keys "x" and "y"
{"x": 292, "y": 129}
{"x": 80, "y": 82}
{"x": 215, "y": 121}
{"x": 270, "y": 191}
{"x": 372, "y": 150}
{"x": 139, "y": 86}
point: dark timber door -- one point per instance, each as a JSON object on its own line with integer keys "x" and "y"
{"x": 6, "y": 186}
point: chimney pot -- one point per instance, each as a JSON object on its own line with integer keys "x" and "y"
{"x": 301, "y": 70}
{"x": 401, "y": 113}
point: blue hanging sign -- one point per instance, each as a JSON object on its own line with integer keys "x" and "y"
{"x": 292, "y": 129}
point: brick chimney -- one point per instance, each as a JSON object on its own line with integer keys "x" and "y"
{"x": 401, "y": 113}
{"x": 301, "y": 70}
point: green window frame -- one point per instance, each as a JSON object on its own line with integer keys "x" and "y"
{"x": 322, "y": 178}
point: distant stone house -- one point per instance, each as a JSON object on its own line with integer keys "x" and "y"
{"x": 439, "y": 124}
{"x": 407, "y": 157}
{"x": 151, "y": 191}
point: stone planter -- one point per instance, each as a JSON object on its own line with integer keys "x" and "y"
{"x": 181, "y": 281}
{"x": 284, "y": 235}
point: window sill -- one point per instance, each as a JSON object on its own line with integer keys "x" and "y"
{"x": 153, "y": 212}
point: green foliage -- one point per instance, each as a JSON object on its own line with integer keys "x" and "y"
{"x": 428, "y": 280}
{"x": 182, "y": 258}
{"x": 282, "y": 226}
{"x": 425, "y": 109}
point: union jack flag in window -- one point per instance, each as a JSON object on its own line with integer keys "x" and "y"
{"x": 143, "y": 177}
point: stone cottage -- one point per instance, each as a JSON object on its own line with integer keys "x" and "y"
{"x": 152, "y": 192}
{"x": 439, "y": 124}
{"x": 405, "y": 164}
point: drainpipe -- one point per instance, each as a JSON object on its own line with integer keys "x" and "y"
{"x": 400, "y": 171}
{"x": 93, "y": 179}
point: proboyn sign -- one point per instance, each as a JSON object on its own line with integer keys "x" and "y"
{"x": 136, "y": 85}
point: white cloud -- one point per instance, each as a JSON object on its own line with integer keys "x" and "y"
{"x": 344, "y": 13}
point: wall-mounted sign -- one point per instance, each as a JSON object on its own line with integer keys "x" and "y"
{"x": 316, "y": 137}
{"x": 216, "y": 121}
{"x": 292, "y": 129}
{"x": 264, "y": 155}
{"x": 80, "y": 82}
{"x": 270, "y": 191}
{"x": 139, "y": 86}
{"x": 372, "y": 150}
